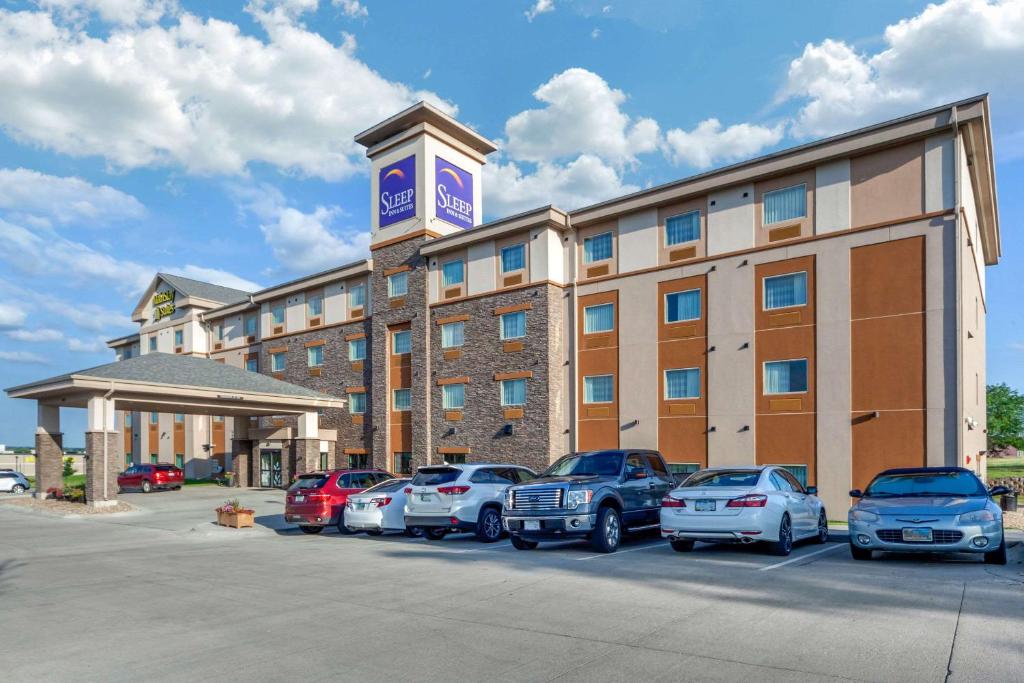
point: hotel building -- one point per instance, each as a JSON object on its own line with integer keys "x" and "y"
{"x": 822, "y": 307}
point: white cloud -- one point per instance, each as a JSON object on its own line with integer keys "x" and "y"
{"x": 24, "y": 357}
{"x": 539, "y": 7}
{"x": 95, "y": 345}
{"x": 302, "y": 242}
{"x": 352, "y": 8}
{"x": 127, "y": 12}
{"x": 11, "y": 316}
{"x": 595, "y": 34}
{"x": 582, "y": 115}
{"x": 948, "y": 51}
{"x": 710, "y": 143}
{"x": 586, "y": 180}
{"x": 214, "y": 276}
{"x": 194, "y": 93}
{"x": 42, "y": 198}
{"x": 42, "y": 334}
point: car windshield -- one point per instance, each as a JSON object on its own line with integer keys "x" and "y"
{"x": 583, "y": 464}
{"x": 433, "y": 476}
{"x": 723, "y": 478}
{"x": 925, "y": 484}
{"x": 309, "y": 481}
{"x": 387, "y": 486}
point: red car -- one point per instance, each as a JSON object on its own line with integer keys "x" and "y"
{"x": 317, "y": 499}
{"x": 149, "y": 477}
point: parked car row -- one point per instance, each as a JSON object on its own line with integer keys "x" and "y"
{"x": 601, "y": 495}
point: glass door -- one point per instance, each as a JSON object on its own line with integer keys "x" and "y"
{"x": 270, "y": 468}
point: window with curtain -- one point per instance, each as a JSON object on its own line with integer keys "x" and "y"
{"x": 453, "y": 396}
{"x": 682, "y": 306}
{"x": 179, "y": 460}
{"x": 250, "y": 326}
{"x": 401, "y": 399}
{"x": 315, "y": 356}
{"x": 451, "y": 273}
{"x": 513, "y": 325}
{"x": 358, "y": 461}
{"x": 682, "y": 228}
{"x": 782, "y": 291}
{"x": 252, "y": 365}
{"x": 683, "y": 467}
{"x": 597, "y": 248}
{"x": 684, "y": 383}
{"x": 798, "y": 471}
{"x": 179, "y": 418}
{"x": 513, "y": 258}
{"x": 324, "y": 465}
{"x": 154, "y": 418}
{"x": 315, "y": 305}
{"x": 357, "y": 349}
{"x": 357, "y": 403}
{"x": 127, "y": 419}
{"x": 403, "y": 463}
{"x": 277, "y": 314}
{"x": 152, "y": 343}
{"x": 785, "y": 204}
{"x": 179, "y": 337}
{"x": 398, "y": 284}
{"x": 452, "y": 334}
{"x": 402, "y": 342}
{"x": 154, "y": 458}
{"x": 785, "y": 376}
{"x": 277, "y": 362}
{"x": 599, "y": 389}
{"x": 357, "y": 296}
{"x": 513, "y": 392}
{"x": 219, "y": 331}
{"x": 600, "y": 318}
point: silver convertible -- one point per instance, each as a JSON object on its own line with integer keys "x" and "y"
{"x": 927, "y": 509}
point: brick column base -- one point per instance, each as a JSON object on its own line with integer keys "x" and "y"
{"x": 97, "y": 492}
{"x": 307, "y": 456}
{"x": 49, "y": 462}
{"x": 241, "y": 460}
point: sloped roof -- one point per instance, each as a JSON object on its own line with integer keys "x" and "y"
{"x": 204, "y": 290}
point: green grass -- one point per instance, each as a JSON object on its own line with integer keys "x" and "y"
{"x": 200, "y": 482}
{"x": 1006, "y": 467}
{"x": 73, "y": 480}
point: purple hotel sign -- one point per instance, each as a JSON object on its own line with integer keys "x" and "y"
{"x": 397, "y": 187}
{"x": 454, "y": 193}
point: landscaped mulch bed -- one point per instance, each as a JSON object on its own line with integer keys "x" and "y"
{"x": 63, "y": 507}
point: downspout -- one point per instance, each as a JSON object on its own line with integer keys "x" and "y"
{"x": 958, "y": 299}
{"x": 106, "y": 464}
{"x": 573, "y": 341}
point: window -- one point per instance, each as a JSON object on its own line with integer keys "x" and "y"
{"x": 152, "y": 343}
{"x": 785, "y": 204}
{"x": 357, "y": 296}
{"x": 452, "y": 335}
{"x": 179, "y": 460}
{"x": 451, "y": 273}
{"x": 218, "y": 330}
{"x": 179, "y": 418}
{"x": 127, "y": 419}
{"x": 357, "y": 349}
{"x": 453, "y": 396}
{"x": 513, "y": 258}
{"x": 154, "y": 458}
{"x": 127, "y": 460}
{"x": 154, "y": 418}
{"x": 179, "y": 337}
{"x": 683, "y": 383}
{"x": 785, "y": 376}
{"x": 358, "y": 461}
{"x": 655, "y": 464}
{"x": 782, "y": 291}
{"x": 600, "y": 318}
{"x": 513, "y": 392}
{"x": 325, "y": 462}
{"x": 403, "y": 463}
{"x": 597, "y": 248}
{"x": 250, "y": 326}
{"x": 599, "y": 389}
{"x": 402, "y": 342}
{"x": 398, "y": 284}
{"x": 682, "y": 228}
{"x": 315, "y": 305}
{"x": 277, "y": 362}
{"x": 513, "y": 325}
{"x": 357, "y": 403}
{"x": 402, "y": 400}
{"x": 252, "y": 364}
{"x": 683, "y": 467}
{"x": 277, "y": 314}
{"x": 797, "y": 472}
{"x": 315, "y": 356}
{"x": 455, "y": 458}
{"x": 682, "y": 306}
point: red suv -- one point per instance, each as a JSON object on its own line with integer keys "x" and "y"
{"x": 317, "y": 499}
{"x": 149, "y": 477}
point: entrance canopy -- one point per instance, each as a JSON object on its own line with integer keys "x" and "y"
{"x": 174, "y": 383}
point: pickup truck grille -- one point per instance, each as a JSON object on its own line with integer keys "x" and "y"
{"x": 536, "y": 499}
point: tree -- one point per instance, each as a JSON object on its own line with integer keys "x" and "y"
{"x": 1005, "y": 417}
{"x": 69, "y": 467}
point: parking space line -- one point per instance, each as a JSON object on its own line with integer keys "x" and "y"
{"x": 802, "y": 557}
{"x": 620, "y": 552}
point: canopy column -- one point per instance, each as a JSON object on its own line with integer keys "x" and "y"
{"x": 49, "y": 449}
{"x": 103, "y": 446}
{"x": 307, "y": 443}
{"x": 241, "y": 451}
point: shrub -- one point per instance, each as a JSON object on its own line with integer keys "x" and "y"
{"x": 69, "y": 467}
{"x": 74, "y": 494}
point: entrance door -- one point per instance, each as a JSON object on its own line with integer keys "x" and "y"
{"x": 270, "y": 468}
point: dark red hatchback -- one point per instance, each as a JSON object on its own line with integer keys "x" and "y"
{"x": 150, "y": 477}
{"x": 318, "y": 499}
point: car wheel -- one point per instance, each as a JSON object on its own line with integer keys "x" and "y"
{"x": 307, "y": 529}
{"x": 414, "y": 532}
{"x": 860, "y": 553}
{"x": 374, "y": 532}
{"x": 520, "y": 543}
{"x": 342, "y": 529}
{"x": 822, "y": 536}
{"x": 682, "y": 546}
{"x": 17, "y": 488}
{"x": 784, "y": 545}
{"x": 606, "y": 536}
{"x": 435, "y": 534}
{"x": 146, "y": 487}
{"x": 997, "y": 556}
{"x": 488, "y": 527}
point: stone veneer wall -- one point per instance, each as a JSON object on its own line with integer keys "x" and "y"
{"x": 49, "y": 461}
{"x": 94, "y": 465}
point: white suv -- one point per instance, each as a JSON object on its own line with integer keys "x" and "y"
{"x": 463, "y": 497}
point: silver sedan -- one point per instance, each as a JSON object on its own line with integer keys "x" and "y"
{"x": 377, "y": 509}
{"x": 927, "y": 509}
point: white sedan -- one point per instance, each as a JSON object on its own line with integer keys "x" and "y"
{"x": 378, "y": 509}
{"x": 743, "y": 505}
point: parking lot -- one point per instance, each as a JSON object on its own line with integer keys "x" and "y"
{"x": 163, "y": 594}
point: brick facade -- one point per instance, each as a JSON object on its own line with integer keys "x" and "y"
{"x": 95, "y": 463}
{"x": 49, "y": 461}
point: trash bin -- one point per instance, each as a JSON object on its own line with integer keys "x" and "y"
{"x": 1009, "y": 502}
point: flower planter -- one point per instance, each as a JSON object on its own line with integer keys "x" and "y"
{"x": 236, "y": 520}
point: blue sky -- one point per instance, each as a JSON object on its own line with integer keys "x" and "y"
{"x": 145, "y": 135}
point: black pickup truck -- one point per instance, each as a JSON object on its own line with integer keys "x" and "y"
{"x": 595, "y": 495}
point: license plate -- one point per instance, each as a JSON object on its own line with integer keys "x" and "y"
{"x": 425, "y": 497}
{"x": 531, "y": 525}
{"x": 299, "y": 499}
{"x": 704, "y": 505}
{"x": 917, "y": 535}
